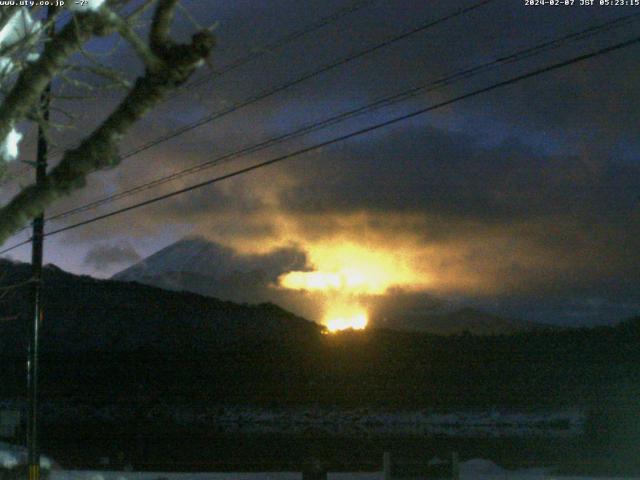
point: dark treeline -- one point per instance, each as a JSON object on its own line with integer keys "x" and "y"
{"x": 114, "y": 341}
{"x": 106, "y": 342}
{"x": 375, "y": 368}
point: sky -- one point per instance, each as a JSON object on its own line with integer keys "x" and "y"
{"x": 524, "y": 201}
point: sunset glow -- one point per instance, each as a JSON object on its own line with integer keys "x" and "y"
{"x": 353, "y": 269}
{"x": 346, "y": 273}
{"x": 356, "y": 320}
{"x": 344, "y": 279}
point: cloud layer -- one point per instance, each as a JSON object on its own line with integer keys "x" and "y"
{"x": 524, "y": 200}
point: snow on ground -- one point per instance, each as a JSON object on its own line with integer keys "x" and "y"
{"x": 336, "y": 421}
{"x": 489, "y": 423}
{"x": 475, "y": 469}
{"x": 472, "y": 470}
{"x": 13, "y": 455}
{"x": 96, "y": 475}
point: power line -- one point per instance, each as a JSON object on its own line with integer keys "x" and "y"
{"x": 7, "y": 250}
{"x": 341, "y": 138}
{"x": 307, "y": 76}
{"x": 388, "y": 41}
{"x": 239, "y": 62}
{"x": 265, "y": 94}
{"x": 281, "y": 42}
{"x": 395, "y": 98}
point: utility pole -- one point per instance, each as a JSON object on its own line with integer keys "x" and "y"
{"x": 33, "y": 454}
{"x": 36, "y": 314}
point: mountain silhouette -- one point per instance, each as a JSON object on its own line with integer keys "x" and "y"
{"x": 195, "y": 264}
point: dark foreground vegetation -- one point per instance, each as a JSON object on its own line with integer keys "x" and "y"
{"x": 106, "y": 342}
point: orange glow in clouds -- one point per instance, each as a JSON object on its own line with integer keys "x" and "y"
{"x": 347, "y": 270}
{"x": 343, "y": 318}
{"x": 353, "y": 269}
{"x": 345, "y": 279}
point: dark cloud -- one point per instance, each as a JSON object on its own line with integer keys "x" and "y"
{"x": 530, "y": 192}
{"x": 519, "y": 222}
{"x": 423, "y": 169}
{"x": 107, "y": 256}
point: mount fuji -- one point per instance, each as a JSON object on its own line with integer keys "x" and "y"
{"x": 197, "y": 265}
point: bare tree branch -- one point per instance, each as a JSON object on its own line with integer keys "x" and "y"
{"x": 107, "y": 73}
{"x": 161, "y": 26}
{"x": 141, "y": 48}
{"x": 25, "y": 93}
{"x": 6, "y": 12}
{"x": 176, "y": 62}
